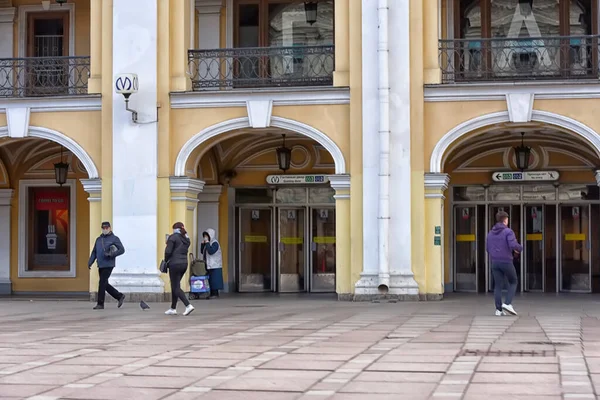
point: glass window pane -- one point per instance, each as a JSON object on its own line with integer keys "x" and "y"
{"x": 539, "y": 192}
{"x": 291, "y": 196}
{"x": 469, "y": 193}
{"x": 288, "y": 25}
{"x": 504, "y": 193}
{"x": 578, "y": 192}
{"x": 321, "y": 195}
{"x": 253, "y": 196}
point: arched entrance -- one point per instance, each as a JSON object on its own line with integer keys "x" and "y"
{"x": 279, "y": 229}
{"x": 45, "y": 241}
{"x": 553, "y": 205}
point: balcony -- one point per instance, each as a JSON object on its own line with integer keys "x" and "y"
{"x": 44, "y": 76}
{"x": 519, "y": 59}
{"x": 261, "y": 67}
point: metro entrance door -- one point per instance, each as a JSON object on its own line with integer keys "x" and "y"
{"x": 575, "y": 248}
{"x": 514, "y": 223}
{"x": 292, "y": 250}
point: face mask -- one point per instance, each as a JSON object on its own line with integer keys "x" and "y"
{"x": 105, "y": 231}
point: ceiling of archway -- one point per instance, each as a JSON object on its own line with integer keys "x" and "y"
{"x": 494, "y": 150}
{"x": 34, "y": 157}
{"x": 255, "y": 150}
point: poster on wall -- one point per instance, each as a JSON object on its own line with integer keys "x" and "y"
{"x": 51, "y": 200}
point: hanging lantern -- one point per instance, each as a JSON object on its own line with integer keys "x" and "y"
{"x": 522, "y": 154}
{"x": 61, "y": 2}
{"x": 284, "y": 156}
{"x": 310, "y": 9}
{"x": 61, "y": 170}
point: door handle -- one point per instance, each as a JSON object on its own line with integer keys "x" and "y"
{"x": 281, "y": 247}
{"x": 313, "y": 246}
{"x": 242, "y": 246}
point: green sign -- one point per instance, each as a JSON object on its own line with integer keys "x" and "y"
{"x": 437, "y": 240}
{"x": 438, "y": 230}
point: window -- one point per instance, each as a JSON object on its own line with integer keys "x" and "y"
{"x": 47, "y": 227}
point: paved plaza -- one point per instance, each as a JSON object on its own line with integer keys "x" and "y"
{"x": 302, "y": 347}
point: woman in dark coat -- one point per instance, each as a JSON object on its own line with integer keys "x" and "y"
{"x": 211, "y": 251}
{"x": 176, "y": 255}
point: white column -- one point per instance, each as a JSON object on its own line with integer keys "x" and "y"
{"x": 401, "y": 276}
{"x": 135, "y": 148}
{"x": 5, "y": 202}
{"x": 208, "y": 211}
{"x": 367, "y": 285}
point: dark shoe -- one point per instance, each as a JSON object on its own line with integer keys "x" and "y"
{"x": 99, "y": 307}
{"x": 121, "y": 301}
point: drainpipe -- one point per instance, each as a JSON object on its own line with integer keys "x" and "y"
{"x": 384, "y": 147}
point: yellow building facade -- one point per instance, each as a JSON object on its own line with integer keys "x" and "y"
{"x": 357, "y": 147}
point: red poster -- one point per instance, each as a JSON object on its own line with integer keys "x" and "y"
{"x": 51, "y": 200}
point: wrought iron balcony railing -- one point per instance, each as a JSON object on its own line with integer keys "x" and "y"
{"x": 44, "y": 76}
{"x": 513, "y": 59}
{"x": 261, "y": 67}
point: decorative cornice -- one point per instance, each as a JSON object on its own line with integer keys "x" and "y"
{"x": 184, "y": 184}
{"x": 279, "y": 97}
{"x": 93, "y": 187}
{"x": 597, "y": 175}
{"x": 54, "y": 104}
{"x": 7, "y": 15}
{"x": 339, "y": 182}
{"x": 435, "y": 185}
{"x": 210, "y": 194}
{"x": 6, "y": 197}
{"x": 499, "y": 90}
{"x": 208, "y": 6}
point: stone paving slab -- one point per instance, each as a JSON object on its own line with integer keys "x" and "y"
{"x": 303, "y": 348}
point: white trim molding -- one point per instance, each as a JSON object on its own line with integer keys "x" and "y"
{"x": 244, "y": 122}
{"x": 93, "y": 187}
{"x": 63, "y": 140}
{"x": 454, "y": 136}
{"x": 182, "y": 184}
{"x": 7, "y": 15}
{"x": 55, "y": 104}
{"x": 597, "y": 176}
{"x": 436, "y": 183}
{"x": 24, "y": 185}
{"x": 339, "y": 183}
{"x": 499, "y": 91}
{"x": 22, "y": 21}
{"x": 279, "y": 97}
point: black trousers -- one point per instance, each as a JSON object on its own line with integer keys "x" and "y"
{"x": 104, "y": 286}
{"x": 176, "y": 272}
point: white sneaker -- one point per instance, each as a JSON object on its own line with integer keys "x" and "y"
{"x": 509, "y": 309}
{"x": 170, "y": 311}
{"x": 500, "y": 313}
{"x": 188, "y": 310}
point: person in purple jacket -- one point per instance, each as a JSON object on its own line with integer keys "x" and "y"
{"x": 501, "y": 246}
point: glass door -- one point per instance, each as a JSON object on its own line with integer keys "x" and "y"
{"x": 255, "y": 251}
{"x": 465, "y": 248}
{"x": 514, "y": 223}
{"x": 292, "y": 257}
{"x": 322, "y": 250}
{"x": 575, "y": 272}
{"x": 535, "y": 221}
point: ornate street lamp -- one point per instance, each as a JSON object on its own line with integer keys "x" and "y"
{"x": 61, "y": 170}
{"x": 284, "y": 156}
{"x": 522, "y": 154}
{"x": 310, "y": 9}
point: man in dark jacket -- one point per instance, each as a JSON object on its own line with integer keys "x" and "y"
{"x": 501, "y": 246}
{"x": 106, "y": 249}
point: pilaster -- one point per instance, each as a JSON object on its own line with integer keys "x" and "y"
{"x": 341, "y": 185}
{"x": 435, "y": 186}
{"x": 95, "y": 79}
{"x": 7, "y": 18}
{"x": 184, "y": 200}
{"x": 94, "y": 189}
{"x": 6, "y": 196}
{"x": 431, "y": 15}
{"x": 208, "y": 210}
{"x": 341, "y": 75}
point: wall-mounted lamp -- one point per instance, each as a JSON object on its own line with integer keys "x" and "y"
{"x": 46, "y": 4}
{"x": 311, "y": 9}
{"x": 127, "y": 84}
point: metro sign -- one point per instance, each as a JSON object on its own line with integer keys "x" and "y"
{"x": 528, "y": 176}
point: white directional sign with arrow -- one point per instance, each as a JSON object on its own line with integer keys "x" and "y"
{"x": 527, "y": 176}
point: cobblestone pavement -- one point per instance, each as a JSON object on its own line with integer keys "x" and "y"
{"x": 302, "y": 347}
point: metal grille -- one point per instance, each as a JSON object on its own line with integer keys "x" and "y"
{"x": 43, "y": 76}
{"x": 48, "y": 45}
{"x": 262, "y": 67}
{"x": 559, "y": 57}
